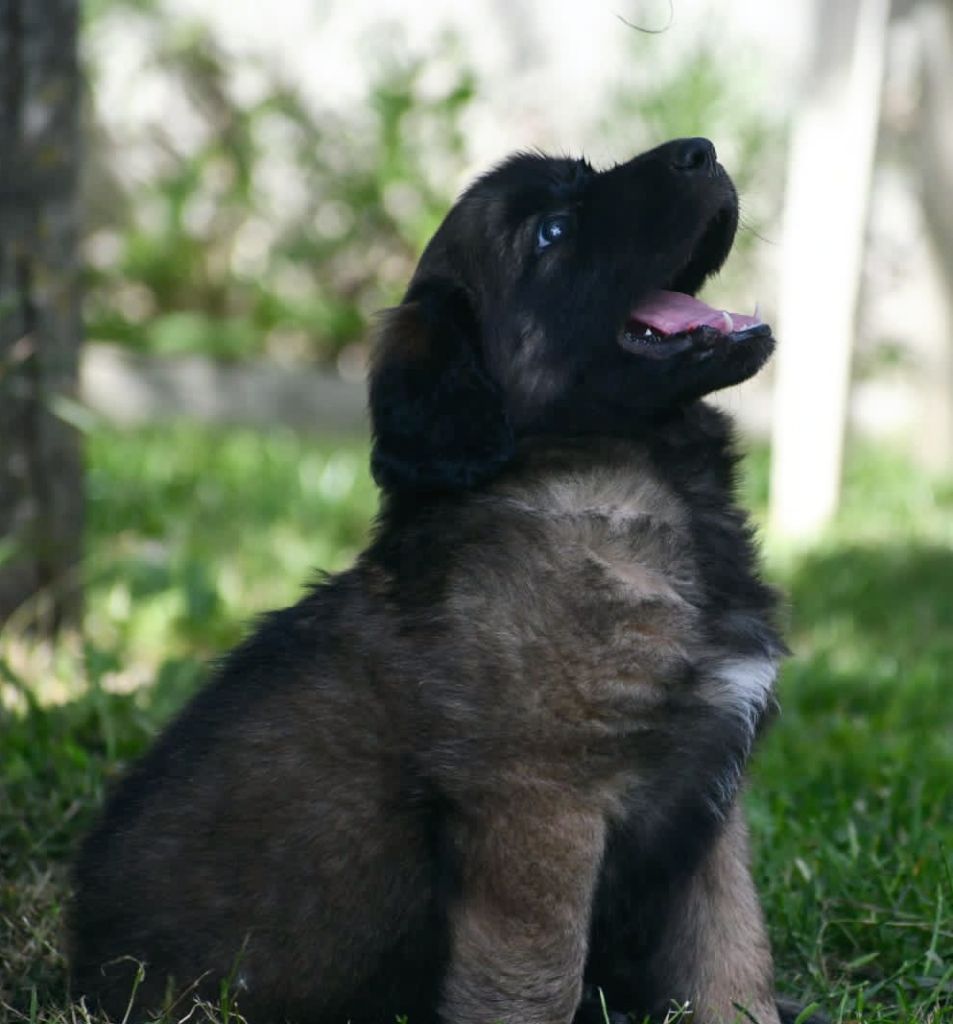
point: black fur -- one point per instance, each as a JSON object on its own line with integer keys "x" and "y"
{"x": 417, "y": 396}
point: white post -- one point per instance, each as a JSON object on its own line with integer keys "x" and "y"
{"x": 829, "y": 171}
{"x": 934, "y": 436}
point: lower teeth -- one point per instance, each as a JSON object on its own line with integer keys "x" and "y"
{"x": 647, "y": 337}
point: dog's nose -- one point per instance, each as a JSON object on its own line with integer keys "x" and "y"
{"x": 693, "y": 156}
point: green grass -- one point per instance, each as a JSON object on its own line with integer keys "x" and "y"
{"x": 192, "y": 532}
{"x": 852, "y": 796}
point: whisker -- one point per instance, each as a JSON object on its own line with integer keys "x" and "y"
{"x": 746, "y": 225}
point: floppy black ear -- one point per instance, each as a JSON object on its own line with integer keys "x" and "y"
{"x": 438, "y": 419}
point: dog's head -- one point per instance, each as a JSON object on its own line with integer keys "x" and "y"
{"x": 555, "y": 299}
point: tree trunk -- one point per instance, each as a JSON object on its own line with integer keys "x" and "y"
{"x": 41, "y": 494}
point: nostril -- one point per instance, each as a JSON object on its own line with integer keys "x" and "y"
{"x": 694, "y": 155}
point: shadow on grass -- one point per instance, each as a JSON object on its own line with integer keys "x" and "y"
{"x": 872, "y": 632}
{"x": 851, "y": 802}
{"x": 899, "y": 597}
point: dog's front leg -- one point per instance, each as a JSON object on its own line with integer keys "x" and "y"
{"x": 716, "y": 953}
{"x": 529, "y": 863}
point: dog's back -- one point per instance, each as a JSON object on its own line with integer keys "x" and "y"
{"x": 269, "y": 838}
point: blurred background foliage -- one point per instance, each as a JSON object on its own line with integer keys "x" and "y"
{"x": 268, "y": 228}
{"x": 272, "y": 227}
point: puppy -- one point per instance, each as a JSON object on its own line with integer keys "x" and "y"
{"x": 496, "y": 764}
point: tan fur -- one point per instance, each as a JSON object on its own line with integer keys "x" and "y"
{"x": 604, "y": 615}
{"x": 530, "y": 863}
{"x": 717, "y": 949}
{"x": 593, "y": 626}
{"x": 590, "y": 624}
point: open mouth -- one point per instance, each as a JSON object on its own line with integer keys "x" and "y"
{"x": 670, "y": 319}
{"x": 666, "y": 322}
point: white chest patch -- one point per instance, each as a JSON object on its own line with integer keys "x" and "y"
{"x": 743, "y": 686}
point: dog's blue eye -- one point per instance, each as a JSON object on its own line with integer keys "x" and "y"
{"x": 552, "y": 229}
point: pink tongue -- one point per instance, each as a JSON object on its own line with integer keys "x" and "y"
{"x": 675, "y": 312}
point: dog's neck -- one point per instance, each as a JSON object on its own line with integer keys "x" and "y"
{"x": 691, "y": 447}
{"x": 680, "y": 472}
